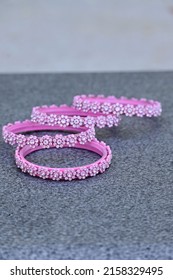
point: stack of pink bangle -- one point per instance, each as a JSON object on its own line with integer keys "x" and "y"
{"x": 81, "y": 119}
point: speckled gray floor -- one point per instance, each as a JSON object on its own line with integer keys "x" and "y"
{"x": 125, "y": 213}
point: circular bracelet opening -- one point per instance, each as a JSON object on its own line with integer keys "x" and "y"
{"x": 66, "y": 157}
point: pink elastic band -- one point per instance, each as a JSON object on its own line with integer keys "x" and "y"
{"x": 81, "y": 172}
{"x": 69, "y": 116}
{"x": 11, "y": 136}
{"x": 117, "y": 106}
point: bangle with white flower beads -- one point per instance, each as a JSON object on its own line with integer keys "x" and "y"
{"x": 117, "y": 106}
{"x": 68, "y": 116}
{"x": 69, "y": 174}
{"x": 12, "y": 135}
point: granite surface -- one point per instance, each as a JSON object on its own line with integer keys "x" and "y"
{"x": 125, "y": 213}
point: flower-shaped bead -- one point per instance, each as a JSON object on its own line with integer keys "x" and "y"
{"x": 82, "y": 173}
{"x": 63, "y": 121}
{"x": 110, "y": 121}
{"x": 140, "y": 110}
{"x": 117, "y": 109}
{"x": 86, "y": 106}
{"x": 69, "y": 175}
{"x": 82, "y": 138}
{"x": 93, "y": 170}
{"x": 34, "y": 117}
{"x": 95, "y": 107}
{"x": 102, "y": 167}
{"x": 42, "y": 118}
{"x": 149, "y": 111}
{"x": 43, "y": 173}
{"x": 116, "y": 120}
{"x": 101, "y": 121}
{"x": 89, "y": 121}
{"x": 78, "y": 103}
{"x": 24, "y": 167}
{"x": 106, "y": 108}
{"x": 32, "y": 170}
{"x": 46, "y": 141}
{"x": 32, "y": 141}
{"x": 71, "y": 140}
{"x": 11, "y": 138}
{"x": 21, "y": 140}
{"x": 56, "y": 175}
{"x": 129, "y": 110}
{"x": 52, "y": 119}
{"x": 59, "y": 141}
{"x": 76, "y": 121}
{"x": 90, "y": 135}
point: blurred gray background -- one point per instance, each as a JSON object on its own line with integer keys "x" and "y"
{"x": 85, "y": 35}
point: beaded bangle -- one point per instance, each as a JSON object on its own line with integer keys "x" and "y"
{"x": 81, "y": 172}
{"x": 117, "y": 106}
{"x": 11, "y": 137}
{"x": 69, "y": 116}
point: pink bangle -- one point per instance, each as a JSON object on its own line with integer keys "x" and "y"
{"x": 81, "y": 172}
{"x": 117, "y": 106}
{"x": 69, "y": 116}
{"x": 11, "y": 137}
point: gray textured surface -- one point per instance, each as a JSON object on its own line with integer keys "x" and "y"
{"x": 125, "y": 213}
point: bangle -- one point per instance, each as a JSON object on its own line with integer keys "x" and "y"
{"x": 117, "y": 106}
{"x": 81, "y": 172}
{"x": 68, "y": 116}
{"x": 11, "y": 137}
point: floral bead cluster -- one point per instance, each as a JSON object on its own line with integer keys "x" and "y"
{"x": 80, "y": 120}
